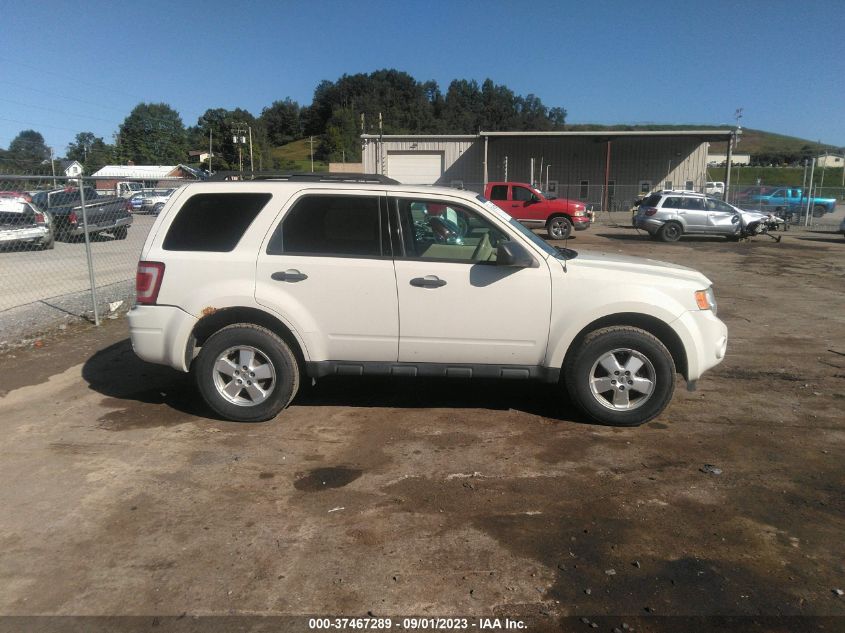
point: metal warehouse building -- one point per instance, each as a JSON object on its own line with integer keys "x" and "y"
{"x": 605, "y": 168}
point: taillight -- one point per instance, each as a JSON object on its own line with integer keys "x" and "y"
{"x": 39, "y": 218}
{"x": 73, "y": 218}
{"x": 650, "y": 211}
{"x": 148, "y": 281}
{"x": 127, "y": 206}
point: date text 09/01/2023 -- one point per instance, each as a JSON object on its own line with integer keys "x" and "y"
{"x": 416, "y": 624}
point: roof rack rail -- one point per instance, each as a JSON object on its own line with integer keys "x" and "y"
{"x": 306, "y": 177}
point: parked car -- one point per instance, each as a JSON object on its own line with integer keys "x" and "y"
{"x": 668, "y": 215}
{"x": 23, "y": 223}
{"x": 715, "y": 188}
{"x": 786, "y": 202}
{"x": 153, "y": 200}
{"x": 134, "y": 203}
{"x": 255, "y": 286}
{"x": 105, "y": 215}
{"x": 530, "y": 207}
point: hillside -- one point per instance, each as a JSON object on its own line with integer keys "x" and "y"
{"x": 751, "y": 141}
{"x": 296, "y": 156}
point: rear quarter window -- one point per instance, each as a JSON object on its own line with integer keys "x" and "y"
{"x": 213, "y": 222}
{"x": 652, "y": 200}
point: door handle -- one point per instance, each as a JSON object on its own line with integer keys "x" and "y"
{"x": 429, "y": 281}
{"x": 291, "y": 274}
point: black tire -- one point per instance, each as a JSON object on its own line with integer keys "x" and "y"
{"x": 270, "y": 347}
{"x": 559, "y": 227}
{"x": 670, "y": 232}
{"x": 120, "y": 233}
{"x": 819, "y": 211}
{"x": 582, "y": 367}
{"x": 157, "y": 208}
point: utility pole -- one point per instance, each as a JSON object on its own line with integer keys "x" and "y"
{"x": 53, "y": 166}
{"x": 251, "y": 164}
{"x": 239, "y": 139}
{"x": 210, "y": 154}
{"x": 311, "y": 141}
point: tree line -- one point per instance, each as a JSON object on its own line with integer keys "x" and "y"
{"x": 385, "y": 101}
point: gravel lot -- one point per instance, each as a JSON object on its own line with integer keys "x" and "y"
{"x": 121, "y": 496}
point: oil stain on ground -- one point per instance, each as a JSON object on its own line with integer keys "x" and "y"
{"x": 325, "y": 478}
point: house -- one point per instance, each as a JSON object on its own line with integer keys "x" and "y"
{"x": 829, "y": 160}
{"x": 198, "y": 155}
{"x": 71, "y": 168}
{"x": 720, "y": 160}
{"x": 149, "y": 175}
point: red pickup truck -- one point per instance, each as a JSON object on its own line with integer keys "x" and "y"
{"x": 531, "y": 208}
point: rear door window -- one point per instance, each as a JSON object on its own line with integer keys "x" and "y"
{"x": 331, "y": 225}
{"x": 213, "y": 222}
{"x": 672, "y": 202}
{"x": 499, "y": 192}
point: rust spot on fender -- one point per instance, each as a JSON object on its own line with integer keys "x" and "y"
{"x": 208, "y": 311}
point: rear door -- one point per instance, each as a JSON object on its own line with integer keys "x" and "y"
{"x": 326, "y": 266}
{"x": 693, "y": 211}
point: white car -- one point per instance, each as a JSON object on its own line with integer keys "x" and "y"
{"x": 255, "y": 285}
{"x": 714, "y": 188}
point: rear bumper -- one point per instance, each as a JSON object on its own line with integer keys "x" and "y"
{"x": 29, "y": 234}
{"x": 160, "y": 334}
{"x": 647, "y": 224}
{"x": 105, "y": 225}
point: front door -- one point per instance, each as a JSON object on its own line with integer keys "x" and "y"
{"x": 721, "y": 217}
{"x": 455, "y": 304}
{"x": 327, "y": 269}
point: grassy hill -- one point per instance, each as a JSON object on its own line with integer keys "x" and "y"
{"x": 296, "y": 156}
{"x": 751, "y": 141}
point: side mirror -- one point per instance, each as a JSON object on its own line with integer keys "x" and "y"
{"x": 514, "y": 254}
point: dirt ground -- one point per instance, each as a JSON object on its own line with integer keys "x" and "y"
{"x": 121, "y": 496}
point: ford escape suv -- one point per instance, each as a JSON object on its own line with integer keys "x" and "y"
{"x": 257, "y": 285}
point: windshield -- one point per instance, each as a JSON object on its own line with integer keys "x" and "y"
{"x": 536, "y": 239}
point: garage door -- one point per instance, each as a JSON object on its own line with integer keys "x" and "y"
{"x": 415, "y": 168}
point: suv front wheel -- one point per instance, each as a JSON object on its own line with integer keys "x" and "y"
{"x": 246, "y": 373}
{"x": 622, "y": 376}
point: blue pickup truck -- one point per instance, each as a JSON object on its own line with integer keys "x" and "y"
{"x": 788, "y": 201}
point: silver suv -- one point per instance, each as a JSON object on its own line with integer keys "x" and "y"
{"x": 667, "y": 215}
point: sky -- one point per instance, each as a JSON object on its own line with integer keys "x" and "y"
{"x": 70, "y": 67}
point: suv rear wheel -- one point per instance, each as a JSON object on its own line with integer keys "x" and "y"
{"x": 671, "y": 232}
{"x": 622, "y": 376}
{"x": 246, "y": 373}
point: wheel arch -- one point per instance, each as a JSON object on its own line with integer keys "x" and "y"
{"x": 223, "y": 317}
{"x": 651, "y": 324}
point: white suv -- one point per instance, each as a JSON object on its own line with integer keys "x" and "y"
{"x": 255, "y": 285}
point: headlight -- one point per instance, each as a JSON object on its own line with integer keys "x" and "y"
{"x": 706, "y": 300}
{"x": 579, "y": 214}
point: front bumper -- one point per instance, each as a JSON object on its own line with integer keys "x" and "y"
{"x": 580, "y": 223}
{"x": 160, "y": 334}
{"x": 705, "y": 339}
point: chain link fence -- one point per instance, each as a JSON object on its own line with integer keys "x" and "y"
{"x": 69, "y": 248}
